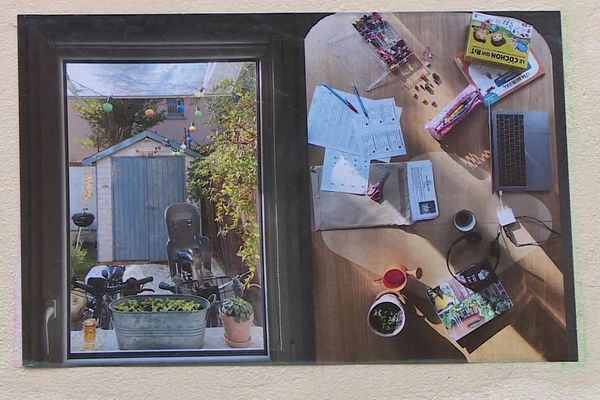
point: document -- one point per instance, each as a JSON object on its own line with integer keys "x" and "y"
{"x": 344, "y": 172}
{"x": 331, "y": 124}
{"x": 381, "y": 134}
{"x": 421, "y": 190}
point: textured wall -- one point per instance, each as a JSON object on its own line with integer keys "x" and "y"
{"x": 505, "y": 381}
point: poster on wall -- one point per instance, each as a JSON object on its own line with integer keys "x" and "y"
{"x": 189, "y": 209}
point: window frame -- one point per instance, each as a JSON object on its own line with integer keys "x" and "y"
{"x": 276, "y": 43}
{"x": 176, "y": 115}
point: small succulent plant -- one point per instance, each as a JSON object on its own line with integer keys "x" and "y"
{"x": 237, "y": 308}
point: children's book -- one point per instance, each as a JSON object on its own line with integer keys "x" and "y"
{"x": 462, "y": 311}
{"x": 495, "y": 83}
{"x": 501, "y": 41}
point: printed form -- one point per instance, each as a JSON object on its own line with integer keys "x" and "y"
{"x": 352, "y": 140}
{"x": 344, "y": 172}
{"x": 331, "y": 124}
{"x": 381, "y": 135}
{"x": 421, "y": 190}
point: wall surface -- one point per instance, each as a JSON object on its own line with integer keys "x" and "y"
{"x": 505, "y": 381}
{"x": 82, "y": 193}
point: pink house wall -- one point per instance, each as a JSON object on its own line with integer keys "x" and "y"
{"x": 78, "y": 127}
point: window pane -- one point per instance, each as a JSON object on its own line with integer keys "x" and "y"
{"x": 165, "y": 229}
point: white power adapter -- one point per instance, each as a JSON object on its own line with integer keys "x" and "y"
{"x": 506, "y": 216}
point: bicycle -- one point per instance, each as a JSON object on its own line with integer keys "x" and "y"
{"x": 222, "y": 287}
{"x": 100, "y": 292}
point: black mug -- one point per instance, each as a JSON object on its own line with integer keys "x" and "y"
{"x": 464, "y": 221}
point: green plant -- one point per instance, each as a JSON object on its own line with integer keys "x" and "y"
{"x": 82, "y": 259}
{"x": 447, "y": 320}
{"x": 228, "y": 174}
{"x": 237, "y": 308}
{"x": 386, "y": 320}
{"x": 79, "y": 257}
{"x": 125, "y": 120}
{"x": 153, "y": 304}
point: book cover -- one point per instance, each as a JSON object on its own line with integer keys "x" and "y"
{"x": 501, "y": 41}
{"x": 462, "y": 311}
{"x": 495, "y": 83}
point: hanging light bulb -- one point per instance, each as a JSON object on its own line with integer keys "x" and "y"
{"x": 192, "y": 127}
{"x": 149, "y": 113}
{"x": 185, "y": 139}
{"x": 198, "y": 113}
{"x": 107, "y": 107}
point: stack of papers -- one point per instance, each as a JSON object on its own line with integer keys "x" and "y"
{"x": 351, "y": 140}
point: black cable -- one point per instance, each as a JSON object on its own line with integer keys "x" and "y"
{"x": 495, "y": 248}
{"x": 448, "y": 259}
{"x": 494, "y": 251}
{"x": 513, "y": 240}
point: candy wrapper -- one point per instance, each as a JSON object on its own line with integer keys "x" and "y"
{"x": 454, "y": 112}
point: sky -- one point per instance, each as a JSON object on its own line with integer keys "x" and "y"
{"x": 146, "y": 79}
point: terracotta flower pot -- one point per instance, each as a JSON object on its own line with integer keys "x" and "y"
{"x": 237, "y": 334}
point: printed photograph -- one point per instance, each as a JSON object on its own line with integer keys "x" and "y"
{"x": 300, "y": 188}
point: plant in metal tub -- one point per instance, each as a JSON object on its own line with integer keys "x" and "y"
{"x": 153, "y": 322}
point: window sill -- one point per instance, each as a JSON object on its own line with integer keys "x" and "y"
{"x": 106, "y": 342}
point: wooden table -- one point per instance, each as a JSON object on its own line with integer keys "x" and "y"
{"x": 346, "y": 262}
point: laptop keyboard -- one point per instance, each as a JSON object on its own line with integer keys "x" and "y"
{"x": 511, "y": 150}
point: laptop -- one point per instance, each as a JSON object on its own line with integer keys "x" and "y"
{"x": 520, "y": 151}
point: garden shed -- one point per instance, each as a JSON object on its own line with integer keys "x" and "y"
{"x": 136, "y": 180}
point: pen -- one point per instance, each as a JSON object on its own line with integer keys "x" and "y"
{"x": 460, "y": 108}
{"x": 343, "y": 100}
{"x": 360, "y": 101}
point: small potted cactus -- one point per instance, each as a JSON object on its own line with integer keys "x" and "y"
{"x": 237, "y": 315}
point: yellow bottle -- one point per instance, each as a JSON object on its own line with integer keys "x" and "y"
{"x": 89, "y": 334}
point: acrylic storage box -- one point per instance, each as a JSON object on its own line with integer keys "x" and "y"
{"x": 366, "y": 65}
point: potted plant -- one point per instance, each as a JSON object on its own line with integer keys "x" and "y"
{"x": 386, "y": 316}
{"x": 145, "y": 322}
{"x": 237, "y": 315}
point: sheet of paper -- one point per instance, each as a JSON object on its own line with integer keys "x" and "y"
{"x": 381, "y": 134}
{"x": 331, "y": 123}
{"x": 421, "y": 190}
{"x": 344, "y": 172}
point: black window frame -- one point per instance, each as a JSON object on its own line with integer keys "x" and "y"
{"x": 277, "y": 43}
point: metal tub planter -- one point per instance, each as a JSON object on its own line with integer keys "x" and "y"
{"x": 151, "y": 322}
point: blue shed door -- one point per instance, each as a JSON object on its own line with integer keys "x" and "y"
{"x": 142, "y": 188}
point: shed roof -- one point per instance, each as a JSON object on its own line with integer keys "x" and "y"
{"x": 132, "y": 140}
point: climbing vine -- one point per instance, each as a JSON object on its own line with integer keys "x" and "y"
{"x": 228, "y": 173}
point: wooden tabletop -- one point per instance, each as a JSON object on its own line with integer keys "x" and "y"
{"x": 346, "y": 262}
